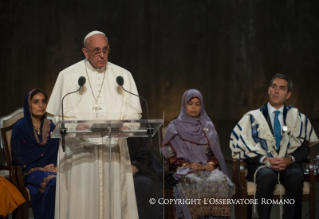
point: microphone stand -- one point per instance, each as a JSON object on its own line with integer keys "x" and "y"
{"x": 63, "y": 130}
{"x": 150, "y": 129}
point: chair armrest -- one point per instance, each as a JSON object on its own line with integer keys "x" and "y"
{"x": 21, "y": 184}
{"x": 311, "y": 174}
{"x": 242, "y": 173}
{"x": 236, "y": 178}
{"x": 235, "y": 164}
{"x": 242, "y": 179}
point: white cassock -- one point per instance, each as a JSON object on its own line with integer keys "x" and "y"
{"x": 83, "y": 169}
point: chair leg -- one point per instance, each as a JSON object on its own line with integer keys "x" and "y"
{"x": 243, "y": 211}
{"x": 249, "y": 211}
{"x": 312, "y": 210}
{"x": 25, "y": 210}
{"x": 18, "y": 213}
{"x": 169, "y": 209}
{"x": 237, "y": 211}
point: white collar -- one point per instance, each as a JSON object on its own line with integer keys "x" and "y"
{"x": 271, "y": 109}
{"x": 92, "y": 69}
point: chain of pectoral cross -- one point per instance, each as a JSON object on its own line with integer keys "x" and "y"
{"x": 96, "y": 106}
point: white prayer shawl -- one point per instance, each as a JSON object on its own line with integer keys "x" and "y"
{"x": 83, "y": 169}
{"x": 252, "y": 135}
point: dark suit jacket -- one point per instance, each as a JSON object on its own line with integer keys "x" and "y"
{"x": 147, "y": 163}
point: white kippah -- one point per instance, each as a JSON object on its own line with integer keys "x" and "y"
{"x": 95, "y": 32}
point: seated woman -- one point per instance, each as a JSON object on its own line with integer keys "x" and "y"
{"x": 34, "y": 150}
{"x": 192, "y": 148}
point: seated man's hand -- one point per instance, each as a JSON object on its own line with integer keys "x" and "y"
{"x": 83, "y": 126}
{"x": 278, "y": 164}
{"x": 286, "y": 161}
{"x": 196, "y": 166}
{"x": 208, "y": 167}
{"x": 274, "y": 162}
{"x": 282, "y": 165}
{"x": 134, "y": 169}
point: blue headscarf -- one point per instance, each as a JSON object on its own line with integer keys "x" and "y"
{"x": 29, "y": 149}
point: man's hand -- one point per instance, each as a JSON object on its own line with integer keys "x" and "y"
{"x": 276, "y": 163}
{"x": 134, "y": 169}
{"x": 196, "y": 166}
{"x": 83, "y": 127}
{"x": 279, "y": 164}
{"x": 287, "y": 160}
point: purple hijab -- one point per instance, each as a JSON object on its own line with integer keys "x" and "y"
{"x": 193, "y": 132}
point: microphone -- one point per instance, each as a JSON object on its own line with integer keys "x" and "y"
{"x": 81, "y": 81}
{"x": 63, "y": 130}
{"x": 120, "y": 82}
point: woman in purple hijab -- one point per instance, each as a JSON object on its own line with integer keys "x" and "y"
{"x": 191, "y": 147}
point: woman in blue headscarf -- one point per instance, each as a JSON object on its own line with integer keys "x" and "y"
{"x": 35, "y": 151}
{"x": 191, "y": 147}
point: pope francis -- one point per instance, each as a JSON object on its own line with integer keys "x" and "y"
{"x": 83, "y": 177}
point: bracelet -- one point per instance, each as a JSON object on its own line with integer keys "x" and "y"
{"x": 212, "y": 163}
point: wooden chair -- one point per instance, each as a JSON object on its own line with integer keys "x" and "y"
{"x": 246, "y": 189}
{"x": 9, "y": 173}
{"x": 6, "y": 125}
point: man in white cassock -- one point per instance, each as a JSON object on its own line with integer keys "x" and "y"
{"x": 83, "y": 169}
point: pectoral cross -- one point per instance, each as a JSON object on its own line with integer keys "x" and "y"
{"x": 96, "y": 108}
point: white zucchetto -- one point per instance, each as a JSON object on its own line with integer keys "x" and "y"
{"x": 95, "y": 32}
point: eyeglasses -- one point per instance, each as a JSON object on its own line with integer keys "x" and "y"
{"x": 98, "y": 52}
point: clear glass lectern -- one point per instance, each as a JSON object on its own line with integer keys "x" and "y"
{"x": 109, "y": 128}
{"x": 90, "y": 145}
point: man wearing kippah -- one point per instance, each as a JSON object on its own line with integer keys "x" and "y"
{"x": 274, "y": 140}
{"x": 83, "y": 186}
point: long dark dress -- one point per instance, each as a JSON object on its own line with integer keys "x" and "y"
{"x": 32, "y": 152}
